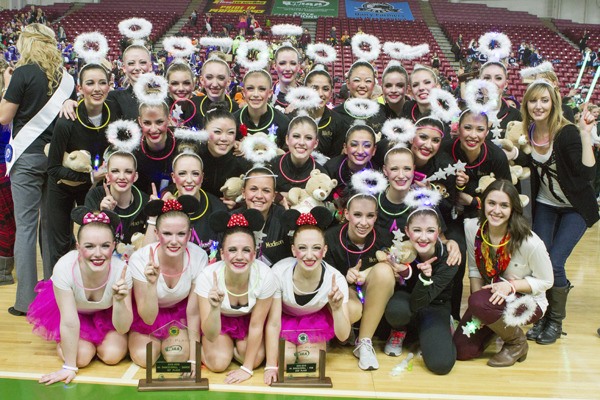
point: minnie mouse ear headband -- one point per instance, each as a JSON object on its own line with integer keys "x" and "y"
{"x": 83, "y": 215}
{"x": 319, "y": 216}
{"x": 221, "y": 221}
{"x": 185, "y": 203}
{"x": 136, "y": 29}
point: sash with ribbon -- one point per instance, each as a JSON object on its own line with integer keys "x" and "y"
{"x": 38, "y": 124}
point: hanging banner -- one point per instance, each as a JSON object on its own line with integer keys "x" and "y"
{"x": 306, "y": 8}
{"x": 236, "y": 6}
{"x": 381, "y": 10}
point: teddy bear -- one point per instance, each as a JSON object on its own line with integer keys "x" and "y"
{"x": 318, "y": 187}
{"x": 126, "y": 250}
{"x": 485, "y": 181}
{"x": 232, "y": 188}
{"x": 515, "y": 137}
{"x": 518, "y": 173}
{"x": 404, "y": 252}
{"x": 78, "y": 161}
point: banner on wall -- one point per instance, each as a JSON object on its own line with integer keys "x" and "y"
{"x": 306, "y": 8}
{"x": 381, "y": 10}
{"x": 236, "y": 6}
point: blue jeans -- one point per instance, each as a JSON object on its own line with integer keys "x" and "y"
{"x": 560, "y": 229}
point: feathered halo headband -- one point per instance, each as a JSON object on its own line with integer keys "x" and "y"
{"x": 92, "y": 47}
{"x": 481, "y": 96}
{"x": 402, "y": 51}
{"x": 136, "y": 29}
{"x": 179, "y": 47}
{"x": 124, "y": 135}
{"x": 530, "y": 72}
{"x": 151, "y": 89}
{"x": 314, "y": 51}
{"x": 494, "y": 45}
{"x": 262, "y": 59}
{"x": 362, "y": 39}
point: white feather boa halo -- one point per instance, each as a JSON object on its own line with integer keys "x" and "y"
{"x": 191, "y": 135}
{"x": 151, "y": 89}
{"x": 286, "y": 30}
{"x": 402, "y": 51}
{"x": 422, "y": 197}
{"x": 179, "y": 47}
{"x": 446, "y": 111}
{"x": 303, "y": 98}
{"x": 224, "y": 44}
{"x": 262, "y": 59}
{"x": 369, "y": 181}
{"x": 122, "y": 128}
{"x": 399, "y": 130}
{"x": 258, "y": 148}
{"x": 361, "y": 108}
{"x": 144, "y": 28}
{"x": 531, "y": 72}
{"x": 372, "y": 41}
{"x": 477, "y": 90}
{"x": 92, "y": 47}
{"x": 519, "y": 310}
{"x": 313, "y": 52}
{"x": 501, "y": 48}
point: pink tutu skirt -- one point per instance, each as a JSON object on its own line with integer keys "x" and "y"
{"x": 242, "y": 25}
{"x": 317, "y": 326}
{"x": 161, "y": 325}
{"x": 235, "y": 327}
{"x": 44, "y": 315}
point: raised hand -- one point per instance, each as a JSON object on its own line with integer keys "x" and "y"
{"x": 461, "y": 178}
{"x": 335, "y": 297}
{"x": 587, "y": 120}
{"x": 120, "y": 289}
{"x": 152, "y": 270}
{"x": 215, "y": 296}
{"x": 353, "y": 274}
{"x": 425, "y": 266}
{"x": 154, "y": 195}
{"x": 108, "y": 202}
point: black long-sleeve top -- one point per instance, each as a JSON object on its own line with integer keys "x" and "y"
{"x": 155, "y": 167}
{"x": 218, "y": 169}
{"x": 292, "y": 176}
{"x": 269, "y": 119}
{"x": 127, "y": 105}
{"x": 332, "y": 128}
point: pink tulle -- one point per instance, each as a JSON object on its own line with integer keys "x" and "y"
{"x": 235, "y": 327}
{"x": 44, "y": 315}
{"x": 317, "y": 326}
{"x": 160, "y": 327}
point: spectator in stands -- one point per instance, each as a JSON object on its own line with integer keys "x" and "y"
{"x": 359, "y": 31}
{"x": 583, "y": 41}
{"x": 333, "y": 36}
{"x": 536, "y": 58}
{"x": 62, "y": 35}
{"x": 521, "y": 51}
{"x": 527, "y": 55}
{"x": 456, "y": 50}
{"x": 193, "y": 18}
{"x": 305, "y": 39}
{"x": 255, "y": 27}
{"x": 208, "y": 21}
{"x": 242, "y": 24}
{"x": 435, "y": 61}
{"x": 512, "y": 61}
{"x": 345, "y": 39}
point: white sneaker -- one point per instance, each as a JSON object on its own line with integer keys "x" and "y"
{"x": 393, "y": 346}
{"x": 367, "y": 360}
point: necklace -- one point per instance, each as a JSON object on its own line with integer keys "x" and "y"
{"x": 485, "y": 151}
{"x": 531, "y": 129}
{"x": 202, "y": 112}
{"x": 412, "y": 113}
{"x": 139, "y": 205}
{"x": 489, "y": 243}
{"x": 159, "y": 158}
{"x": 269, "y": 107}
{"x": 387, "y": 212}
{"x": 364, "y": 250}
{"x": 76, "y": 262}
{"x": 326, "y": 125}
{"x": 287, "y": 178}
{"x": 239, "y": 294}
{"x": 300, "y": 291}
{"x": 187, "y": 252}
{"x": 92, "y": 127}
{"x": 345, "y": 160}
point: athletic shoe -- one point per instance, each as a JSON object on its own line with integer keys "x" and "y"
{"x": 367, "y": 360}
{"x": 393, "y": 346}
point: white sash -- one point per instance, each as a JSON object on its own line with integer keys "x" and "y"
{"x": 38, "y": 124}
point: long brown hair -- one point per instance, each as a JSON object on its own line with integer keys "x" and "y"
{"x": 518, "y": 226}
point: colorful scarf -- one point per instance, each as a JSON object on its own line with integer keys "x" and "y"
{"x": 489, "y": 268}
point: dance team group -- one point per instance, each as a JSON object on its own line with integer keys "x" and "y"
{"x": 240, "y": 275}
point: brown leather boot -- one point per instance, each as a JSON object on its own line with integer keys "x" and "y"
{"x": 515, "y": 345}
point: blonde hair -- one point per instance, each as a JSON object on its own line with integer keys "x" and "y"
{"x": 556, "y": 120}
{"x": 37, "y": 45}
{"x": 3, "y": 66}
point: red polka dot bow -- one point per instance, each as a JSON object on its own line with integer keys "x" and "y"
{"x": 171, "y": 205}
{"x": 306, "y": 219}
{"x": 237, "y": 220}
{"x": 91, "y": 217}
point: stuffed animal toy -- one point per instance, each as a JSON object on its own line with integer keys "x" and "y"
{"x": 78, "y": 161}
{"x": 485, "y": 181}
{"x": 404, "y": 252}
{"x": 318, "y": 187}
{"x": 518, "y": 173}
{"x": 126, "y": 250}
{"x": 515, "y": 137}
{"x": 232, "y": 188}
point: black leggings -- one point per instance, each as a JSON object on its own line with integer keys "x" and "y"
{"x": 432, "y": 324}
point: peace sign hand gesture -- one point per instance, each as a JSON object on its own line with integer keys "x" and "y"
{"x": 108, "y": 202}
{"x": 119, "y": 288}
{"x": 152, "y": 270}
{"x": 215, "y": 296}
{"x": 335, "y": 297}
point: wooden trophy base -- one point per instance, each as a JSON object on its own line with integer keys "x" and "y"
{"x": 305, "y": 382}
{"x": 171, "y": 384}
